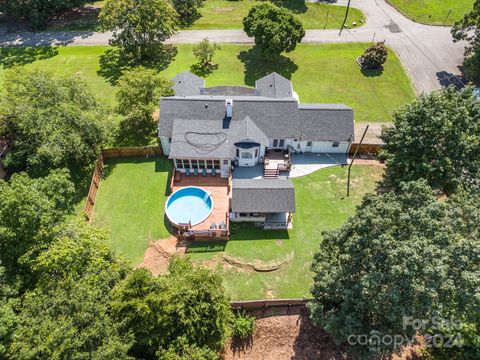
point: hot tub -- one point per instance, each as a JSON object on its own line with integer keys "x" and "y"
{"x": 190, "y": 204}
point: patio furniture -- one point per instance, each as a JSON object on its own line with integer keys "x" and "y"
{"x": 187, "y": 172}
{"x": 195, "y": 171}
{"x": 204, "y": 172}
{"x": 213, "y": 226}
{"x": 214, "y": 172}
{"x": 222, "y": 225}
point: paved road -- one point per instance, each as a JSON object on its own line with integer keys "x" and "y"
{"x": 428, "y": 52}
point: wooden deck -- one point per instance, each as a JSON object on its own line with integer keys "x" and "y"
{"x": 220, "y": 190}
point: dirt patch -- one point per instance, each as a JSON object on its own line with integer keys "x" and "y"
{"x": 230, "y": 262}
{"x": 158, "y": 254}
{"x": 223, "y": 10}
{"x": 291, "y": 336}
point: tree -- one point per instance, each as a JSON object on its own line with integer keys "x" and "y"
{"x": 375, "y": 56}
{"x": 8, "y": 317}
{"x": 29, "y": 211}
{"x": 468, "y": 29}
{"x": 190, "y": 301}
{"x": 402, "y": 254}
{"x": 53, "y": 121}
{"x": 37, "y": 12}
{"x": 67, "y": 315}
{"x": 139, "y": 27}
{"x": 435, "y": 138}
{"x": 181, "y": 349}
{"x": 138, "y": 96}
{"x": 275, "y": 29}
{"x": 187, "y": 10}
{"x": 204, "y": 51}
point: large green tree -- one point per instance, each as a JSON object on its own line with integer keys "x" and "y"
{"x": 139, "y": 27}
{"x": 139, "y": 92}
{"x": 188, "y": 10}
{"x": 37, "y": 12}
{"x": 52, "y": 121}
{"x": 8, "y": 318}
{"x": 190, "y": 301}
{"x": 29, "y": 211}
{"x": 67, "y": 315}
{"x": 468, "y": 29}
{"x": 403, "y": 254}
{"x": 436, "y": 137}
{"x": 275, "y": 29}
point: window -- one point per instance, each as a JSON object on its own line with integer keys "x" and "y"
{"x": 185, "y": 163}
{"x": 238, "y": 153}
{"x": 194, "y": 164}
{"x": 225, "y": 162}
{"x": 335, "y": 144}
{"x": 309, "y": 143}
{"x": 216, "y": 164}
{"x": 209, "y": 164}
{"x": 243, "y": 214}
{"x": 275, "y": 142}
{"x": 281, "y": 143}
{"x": 246, "y": 155}
{"x": 256, "y": 152}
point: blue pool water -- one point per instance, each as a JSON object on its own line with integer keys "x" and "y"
{"x": 189, "y": 204}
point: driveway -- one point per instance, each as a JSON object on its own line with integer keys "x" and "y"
{"x": 428, "y": 52}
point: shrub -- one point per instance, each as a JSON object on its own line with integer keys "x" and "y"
{"x": 375, "y": 56}
{"x": 243, "y": 325}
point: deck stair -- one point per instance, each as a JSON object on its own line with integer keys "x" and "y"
{"x": 270, "y": 173}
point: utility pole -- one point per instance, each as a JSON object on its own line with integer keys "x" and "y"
{"x": 353, "y": 159}
{"x": 344, "y": 20}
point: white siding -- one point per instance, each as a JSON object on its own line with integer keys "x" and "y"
{"x": 326, "y": 147}
{"x": 165, "y": 145}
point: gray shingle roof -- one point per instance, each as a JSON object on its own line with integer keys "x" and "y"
{"x": 263, "y": 196}
{"x": 186, "y": 84}
{"x": 274, "y": 85}
{"x": 326, "y": 122}
{"x": 211, "y": 138}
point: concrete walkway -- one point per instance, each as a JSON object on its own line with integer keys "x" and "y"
{"x": 428, "y": 52}
{"x": 305, "y": 164}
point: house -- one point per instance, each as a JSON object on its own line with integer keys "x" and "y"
{"x": 216, "y": 129}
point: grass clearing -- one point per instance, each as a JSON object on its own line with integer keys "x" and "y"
{"x": 221, "y": 14}
{"x": 131, "y": 201}
{"x": 325, "y": 73}
{"x": 434, "y": 12}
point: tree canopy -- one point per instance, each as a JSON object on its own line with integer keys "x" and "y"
{"x": 275, "y": 29}
{"x": 188, "y": 10}
{"x": 139, "y": 27}
{"x": 402, "y": 254}
{"x": 37, "y": 12}
{"x": 29, "y": 211}
{"x": 435, "y": 138}
{"x": 52, "y": 121}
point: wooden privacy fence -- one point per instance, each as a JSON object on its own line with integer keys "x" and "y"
{"x": 365, "y": 149}
{"x": 259, "y": 304}
{"x": 114, "y": 153}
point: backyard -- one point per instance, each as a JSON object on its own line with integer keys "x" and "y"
{"x": 222, "y": 14}
{"x": 444, "y": 12}
{"x": 316, "y": 77}
{"x": 131, "y": 200}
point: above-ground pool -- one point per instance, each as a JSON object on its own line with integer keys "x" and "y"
{"x": 190, "y": 204}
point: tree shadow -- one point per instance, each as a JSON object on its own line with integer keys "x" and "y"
{"x": 446, "y": 79}
{"x": 372, "y": 72}
{"x": 256, "y": 66}
{"x": 136, "y": 132}
{"x": 113, "y": 63}
{"x": 295, "y": 6}
{"x": 203, "y": 70}
{"x": 14, "y": 56}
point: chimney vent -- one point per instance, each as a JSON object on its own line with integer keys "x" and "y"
{"x": 229, "y": 106}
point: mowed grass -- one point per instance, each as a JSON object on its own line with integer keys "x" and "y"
{"x": 130, "y": 203}
{"x": 325, "y": 73}
{"x": 227, "y": 14}
{"x": 131, "y": 200}
{"x": 435, "y": 12}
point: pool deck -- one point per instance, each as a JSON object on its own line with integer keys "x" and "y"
{"x": 220, "y": 191}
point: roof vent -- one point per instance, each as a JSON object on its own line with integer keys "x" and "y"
{"x": 229, "y": 106}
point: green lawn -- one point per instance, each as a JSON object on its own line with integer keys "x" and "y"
{"x": 324, "y": 73}
{"x": 228, "y": 14}
{"x": 436, "y": 12}
{"x": 131, "y": 202}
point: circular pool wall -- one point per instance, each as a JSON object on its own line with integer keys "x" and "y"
{"x": 190, "y": 204}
